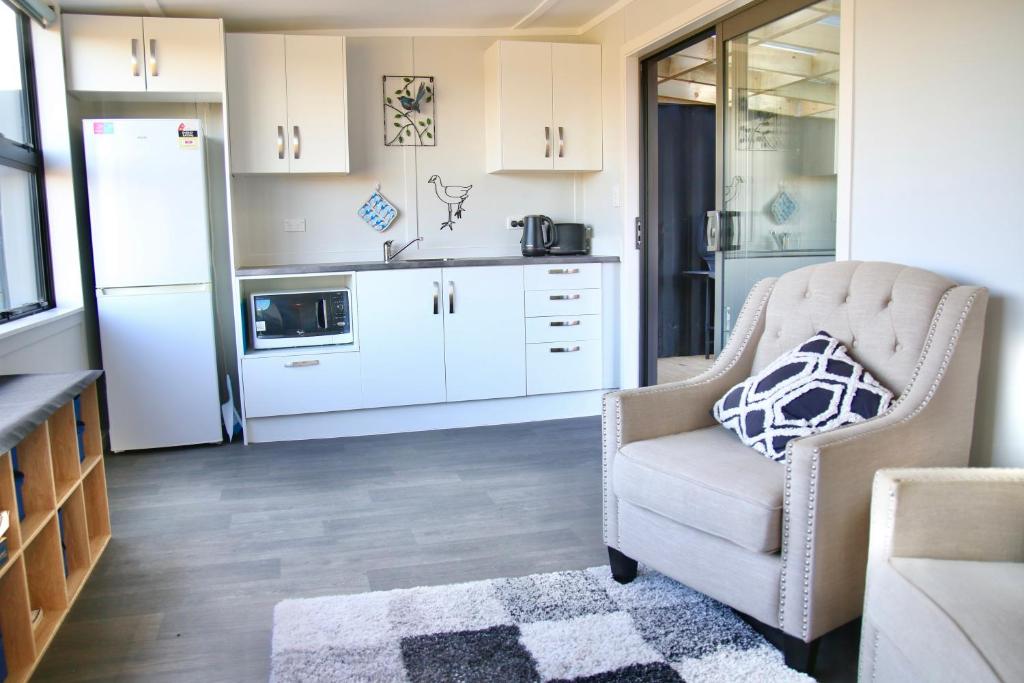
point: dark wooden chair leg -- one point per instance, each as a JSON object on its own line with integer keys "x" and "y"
{"x": 623, "y": 568}
{"x": 800, "y": 655}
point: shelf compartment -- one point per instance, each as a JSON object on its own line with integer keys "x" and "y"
{"x": 97, "y": 509}
{"x": 77, "y": 554}
{"x": 9, "y": 502}
{"x": 15, "y": 622}
{"x": 91, "y": 417}
{"x": 47, "y": 589}
{"x": 63, "y": 433}
{"x": 37, "y": 492}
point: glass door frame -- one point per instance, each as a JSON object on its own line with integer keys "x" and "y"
{"x": 730, "y": 26}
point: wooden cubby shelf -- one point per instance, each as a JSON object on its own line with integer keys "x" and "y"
{"x": 54, "y": 548}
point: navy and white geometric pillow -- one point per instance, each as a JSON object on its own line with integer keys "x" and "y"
{"x": 813, "y": 388}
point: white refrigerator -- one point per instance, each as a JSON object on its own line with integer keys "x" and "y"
{"x": 151, "y": 252}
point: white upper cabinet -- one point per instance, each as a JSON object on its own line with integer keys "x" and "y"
{"x": 104, "y": 53}
{"x": 257, "y": 103}
{"x": 152, "y": 54}
{"x": 576, "y": 107}
{"x": 484, "y": 332}
{"x": 317, "y": 104}
{"x": 543, "y": 106}
{"x": 287, "y": 103}
{"x": 183, "y": 55}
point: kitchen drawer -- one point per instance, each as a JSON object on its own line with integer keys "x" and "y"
{"x": 563, "y": 302}
{"x": 563, "y": 328}
{"x": 291, "y": 385}
{"x": 557, "y": 367}
{"x": 563, "y": 276}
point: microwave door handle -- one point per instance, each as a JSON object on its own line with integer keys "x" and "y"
{"x": 321, "y": 307}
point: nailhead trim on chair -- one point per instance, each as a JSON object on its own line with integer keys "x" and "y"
{"x": 947, "y": 357}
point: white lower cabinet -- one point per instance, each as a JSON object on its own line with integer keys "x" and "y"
{"x": 400, "y": 325}
{"x": 292, "y": 385}
{"x": 484, "y": 332}
{"x": 557, "y": 367}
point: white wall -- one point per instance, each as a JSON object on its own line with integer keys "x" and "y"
{"x": 329, "y": 203}
{"x": 937, "y": 159}
{"x": 939, "y": 172}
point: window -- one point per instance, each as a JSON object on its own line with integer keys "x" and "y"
{"x": 25, "y": 282}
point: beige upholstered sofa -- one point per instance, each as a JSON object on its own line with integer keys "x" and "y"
{"x": 945, "y": 583}
{"x": 786, "y": 543}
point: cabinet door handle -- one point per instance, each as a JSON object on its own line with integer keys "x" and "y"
{"x": 302, "y": 363}
{"x": 561, "y": 142}
{"x": 280, "y": 142}
{"x": 564, "y": 297}
{"x": 296, "y": 143}
{"x": 547, "y": 142}
{"x": 437, "y": 297}
{"x": 564, "y": 323}
{"x": 563, "y": 271}
{"x": 153, "y": 68}
{"x": 135, "y": 58}
{"x": 564, "y": 349}
{"x": 451, "y": 296}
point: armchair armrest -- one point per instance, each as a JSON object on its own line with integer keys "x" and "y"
{"x": 948, "y": 514}
{"x": 829, "y": 475}
{"x": 650, "y": 412}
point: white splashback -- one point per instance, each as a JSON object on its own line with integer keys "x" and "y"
{"x": 329, "y": 203}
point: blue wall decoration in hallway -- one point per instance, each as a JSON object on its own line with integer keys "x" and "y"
{"x": 452, "y": 195}
{"x": 409, "y": 111}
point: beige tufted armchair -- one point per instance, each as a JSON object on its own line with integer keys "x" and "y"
{"x": 786, "y": 543}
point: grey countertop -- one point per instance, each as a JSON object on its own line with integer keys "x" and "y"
{"x": 402, "y": 264}
{"x": 26, "y": 401}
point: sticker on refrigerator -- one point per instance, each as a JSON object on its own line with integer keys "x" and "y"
{"x": 188, "y": 138}
{"x": 103, "y": 128}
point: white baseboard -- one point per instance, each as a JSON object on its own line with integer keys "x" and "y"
{"x": 424, "y": 417}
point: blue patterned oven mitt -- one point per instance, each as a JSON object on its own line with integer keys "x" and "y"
{"x": 378, "y": 212}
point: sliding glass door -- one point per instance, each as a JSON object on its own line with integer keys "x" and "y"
{"x": 778, "y": 202}
{"x": 739, "y": 173}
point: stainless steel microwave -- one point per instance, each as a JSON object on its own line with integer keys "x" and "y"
{"x": 309, "y": 318}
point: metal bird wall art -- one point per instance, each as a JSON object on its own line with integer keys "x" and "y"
{"x": 409, "y": 111}
{"x": 452, "y": 195}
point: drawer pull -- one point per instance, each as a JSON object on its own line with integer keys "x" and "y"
{"x": 564, "y": 349}
{"x": 563, "y": 271}
{"x": 302, "y": 363}
{"x": 564, "y": 297}
{"x": 564, "y": 323}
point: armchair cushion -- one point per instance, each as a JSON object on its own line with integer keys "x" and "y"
{"x": 814, "y": 388}
{"x": 707, "y": 480}
{"x": 953, "y": 619}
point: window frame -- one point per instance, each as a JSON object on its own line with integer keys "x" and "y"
{"x": 28, "y": 157}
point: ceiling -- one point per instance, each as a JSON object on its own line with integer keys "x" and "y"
{"x": 566, "y": 16}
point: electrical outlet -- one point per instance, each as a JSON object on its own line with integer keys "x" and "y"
{"x": 510, "y": 220}
{"x": 295, "y": 225}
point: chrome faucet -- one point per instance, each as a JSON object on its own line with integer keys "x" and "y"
{"x": 389, "y": 255}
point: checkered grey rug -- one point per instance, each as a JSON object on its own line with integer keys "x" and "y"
{"x": 565, "y": 626}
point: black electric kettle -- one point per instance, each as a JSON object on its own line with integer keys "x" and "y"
{"x": 536, "y": 234}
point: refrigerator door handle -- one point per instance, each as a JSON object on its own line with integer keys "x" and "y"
{"x": 154, "y": 289}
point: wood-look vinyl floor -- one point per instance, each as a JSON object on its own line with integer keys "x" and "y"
{"x": 207, "y": 540}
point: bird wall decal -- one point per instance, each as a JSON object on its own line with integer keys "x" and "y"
{"x": 453, "y": 196}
